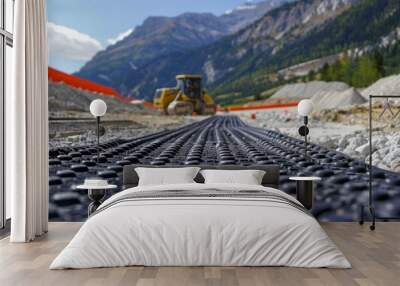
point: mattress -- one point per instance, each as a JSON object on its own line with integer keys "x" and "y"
{"x": 201, "y": 225}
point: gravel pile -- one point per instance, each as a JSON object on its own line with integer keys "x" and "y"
{"x": 307, "y": 90}
{"x": 385, "y": 152}
{"x": 337, "y": 99}
{"x": 325, "y": 95}
{"x": 351, "y": 140}
{"x": 385, "y": 86}
{"x": 346, "y": 137}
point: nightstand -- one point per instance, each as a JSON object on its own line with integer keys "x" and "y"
{"x": 96, "y": 192}
{"x": 305, "y": 190}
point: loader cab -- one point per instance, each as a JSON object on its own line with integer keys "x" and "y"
{"x": 158, "y": 94}
{"x": 190, "y": 85}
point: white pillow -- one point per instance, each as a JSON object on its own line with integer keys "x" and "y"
{"x": 247, "y": 177}
{"x": 166, "y": 176}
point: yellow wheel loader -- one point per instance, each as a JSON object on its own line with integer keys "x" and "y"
{"x": 186, "y": 98}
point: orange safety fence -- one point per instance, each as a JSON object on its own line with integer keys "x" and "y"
{"x": 257, "y": 107}
{"x": 77, "y": 82}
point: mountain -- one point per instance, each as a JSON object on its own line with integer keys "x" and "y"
{"x": 248, "y": 49}
{"x": 160, "y": 36}
{"x": 241, "y": 53}
{"x": 240, "y": 66}
{"x": 156, "y": 37}
{"x": 249, "y": 12}
{"x": 360, "y": 29}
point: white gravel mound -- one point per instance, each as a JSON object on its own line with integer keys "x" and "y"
{"x": 337, "y": 99}
{"x": 299, "y": 91}
{"x": 385, "y": 86}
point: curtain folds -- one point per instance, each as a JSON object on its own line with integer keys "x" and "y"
{"x": 27, "y": 124}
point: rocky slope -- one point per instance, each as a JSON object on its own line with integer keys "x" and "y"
{"x": 64, "y": 99}
{"x": 249, "y": 12}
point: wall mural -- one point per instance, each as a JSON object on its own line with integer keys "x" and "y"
{"x": 164, "y": 72}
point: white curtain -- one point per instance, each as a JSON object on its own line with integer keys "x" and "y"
{"x": 27, "y": 124}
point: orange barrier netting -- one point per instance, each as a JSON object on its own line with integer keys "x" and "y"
{"x": 262, "y": 106}
{"x": 77, "y": 82}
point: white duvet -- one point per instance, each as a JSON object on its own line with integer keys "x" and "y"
{"x": 200, "y": 232}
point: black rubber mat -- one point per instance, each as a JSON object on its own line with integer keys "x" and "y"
{"x": 223, "y": 140}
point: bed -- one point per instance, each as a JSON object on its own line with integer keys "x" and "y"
{"x": 197, "y": 224}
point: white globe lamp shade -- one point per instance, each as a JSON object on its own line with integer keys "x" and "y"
{"x": 98, "y": 108}
{"x": 305, "y": 107}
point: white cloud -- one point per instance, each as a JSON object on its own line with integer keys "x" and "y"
{"x": 70, "y": 44}
{"x": 120, "y": 37}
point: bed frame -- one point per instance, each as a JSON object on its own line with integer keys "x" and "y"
{"x": 271, "y": 178}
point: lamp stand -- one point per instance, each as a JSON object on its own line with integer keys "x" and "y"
{"x": 98, "y": 138}
{"x": 303, "y": 131}
{"x": 305, "y": 137}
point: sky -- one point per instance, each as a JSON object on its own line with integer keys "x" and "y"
{"x": 78, "y": 29}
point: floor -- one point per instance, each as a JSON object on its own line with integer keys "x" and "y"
{"x": 375, "y": 257}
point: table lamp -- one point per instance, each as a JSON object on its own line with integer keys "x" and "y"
{"x": 98, "y": 108}
{"x": 304, "y": 108}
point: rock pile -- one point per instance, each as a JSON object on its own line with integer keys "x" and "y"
{"x": 325, "y": 95}
{"x": 385, "y": 86}
{"x": 307, "y": 90}
{"x": 385, "y": 152}
{"x": 337, "y": 99}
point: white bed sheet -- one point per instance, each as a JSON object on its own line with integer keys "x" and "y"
{"x": 200, "y": 232}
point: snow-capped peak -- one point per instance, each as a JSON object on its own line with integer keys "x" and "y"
{"x": 248, "y": 5}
